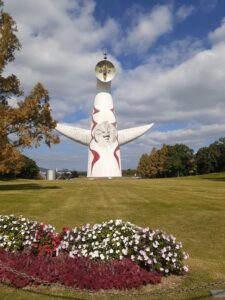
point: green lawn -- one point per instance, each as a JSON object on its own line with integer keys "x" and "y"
{"x": 192, "y": 209}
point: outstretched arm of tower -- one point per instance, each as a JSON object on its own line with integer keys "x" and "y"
{"x": 128, "y": 135}
{"x": 82, "y": 136}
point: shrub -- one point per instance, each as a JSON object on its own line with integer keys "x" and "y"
{"x": 79, "y": 272}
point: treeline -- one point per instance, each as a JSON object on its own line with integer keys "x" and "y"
{"x": 28, "y": 170}
{"x": 180, "y": 160}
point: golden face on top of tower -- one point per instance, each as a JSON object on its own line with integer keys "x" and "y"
{"x": 105, "y": 70}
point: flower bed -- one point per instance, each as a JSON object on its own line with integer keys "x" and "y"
{"x": 111, "y": 245}
{"x": 153, "y": 250}
{"x": 21, "y": 234}
{"x": 79, "y": 272}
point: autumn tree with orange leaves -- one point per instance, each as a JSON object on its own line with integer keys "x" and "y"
{"x": 30, "y": 122}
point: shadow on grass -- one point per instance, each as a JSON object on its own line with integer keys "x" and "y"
{"x": 200, "y": 297}
{"x": 214, "y": 179}
{"x": 26, "y": 186}
{"x": 54, "y": 296}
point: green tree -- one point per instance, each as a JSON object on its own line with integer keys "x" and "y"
{"x": 129, "y": 172}
{"x": 180, "y": 161}
{"x": 205, "y": 161}
{"x": 29, "y": 169}
{"x": 218, "y": 148}
{"x": 212, "y": 158}
{"x": 29, "y": 123}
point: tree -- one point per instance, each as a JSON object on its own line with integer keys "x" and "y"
{"x": 74, "y": 174}
{"x": 143, "y": 166}
{"x": 156, "y": 162}
{"x": 212, "y": 158}
{"x": 29, "y": 123}
{"x": 180, "y": 161}
{"x": 218, "y": 149}
{"x": 129, "y": 172}
{"x": 205, "y": 161}
{"x": 29, "y": 170}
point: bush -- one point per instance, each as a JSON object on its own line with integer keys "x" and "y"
{"x": 79, "y": 272}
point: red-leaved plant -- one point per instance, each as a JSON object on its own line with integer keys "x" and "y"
{"x": 78, "y": 272}
{"x": 46, "y": 242}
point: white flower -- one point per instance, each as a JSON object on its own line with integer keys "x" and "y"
{"x": 143, "y": 253}
{"x": 118, "y": 222}
{"x": 118, "y": 244}
{"x": 185, "y": 268}
{"x": 125, "y": 251}
{"x": 111, "y": 251}
{"x": 173, "y": 260}
{"x": 102, "y": 256}
{"x": 155, "y": 245}
{"x": 96, "y": 253}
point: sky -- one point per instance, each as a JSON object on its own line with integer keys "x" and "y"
{"x": 170, "y": 61}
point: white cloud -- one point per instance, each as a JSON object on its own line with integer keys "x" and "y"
{"x": 195, "y": 134}
{"x": 61, "y": 42}
{"x": 218, "y": 35}
{"x": 184, "y": 11}
{"x": 146, "y": 29}
{"x": 193, "y": 89}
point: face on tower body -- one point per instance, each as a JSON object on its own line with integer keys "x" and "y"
{"x": 105, "y": 134}
{"x": 105, "y": 70}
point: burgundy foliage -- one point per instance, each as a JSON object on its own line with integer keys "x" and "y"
{"x": 78, "y": 272}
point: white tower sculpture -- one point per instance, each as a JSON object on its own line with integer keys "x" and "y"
{"x": 103, "y": 139}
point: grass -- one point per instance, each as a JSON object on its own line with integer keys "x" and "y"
{"x": 192, "y": 209}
